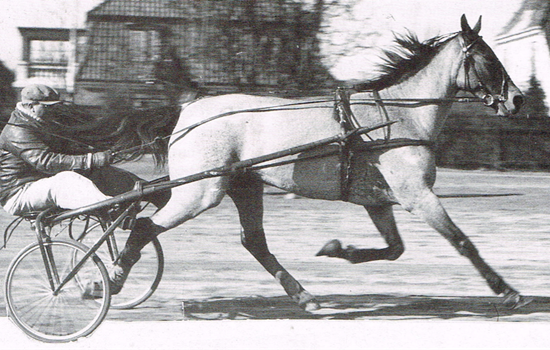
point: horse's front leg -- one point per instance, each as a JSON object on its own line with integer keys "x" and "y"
{"x": 246, "y": 192}
{"x": 383, "y": 219}
{"x": 428, "y": 207}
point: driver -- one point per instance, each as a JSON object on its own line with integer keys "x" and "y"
{"x": 39, "y": 169}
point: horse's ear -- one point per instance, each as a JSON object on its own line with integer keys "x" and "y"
{"x": 466, "y": 29}
{"x": 464, "y": 24}
{"x": 477, "y": 27}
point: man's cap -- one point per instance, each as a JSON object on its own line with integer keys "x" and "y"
{"x": 40, "y": 93}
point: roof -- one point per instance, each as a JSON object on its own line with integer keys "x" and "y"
{"x": 39, "y": 33}
{"x": 142, "y": 8}
{"x": 532, "y": 13}
{"x": 233, "y": 9}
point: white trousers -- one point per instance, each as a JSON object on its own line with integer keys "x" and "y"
{"x": 67, "y": 190}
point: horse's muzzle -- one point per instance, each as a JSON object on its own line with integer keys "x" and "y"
{"x": 502, "y": 106}
{"x": 518, "y": 101}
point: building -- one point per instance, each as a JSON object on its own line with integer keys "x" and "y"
{"x": 523, "y": 45}
{"x": 152, "y": 52}
{"x": 50, "y": 56}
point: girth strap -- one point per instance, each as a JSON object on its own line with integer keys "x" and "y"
{"x": 344, "y": 115}
{"x": 383, "y": 112}
{"x": 348, "y": 147}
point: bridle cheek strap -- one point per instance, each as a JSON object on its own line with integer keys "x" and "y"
{"x": 489, "y": 99}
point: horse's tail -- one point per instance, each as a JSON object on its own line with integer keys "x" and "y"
{"x": 147, "y": 132}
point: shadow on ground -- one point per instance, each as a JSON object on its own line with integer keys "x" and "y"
{"x": 354, "y": 307}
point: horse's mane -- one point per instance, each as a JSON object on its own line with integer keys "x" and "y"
{"x": 404, "y": 60}
{"x": 134, "y": 131}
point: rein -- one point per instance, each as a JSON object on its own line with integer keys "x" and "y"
{"x": 187, "y": 129}
{"x": 398, "y": 102}
{"x": 394, "y": 102}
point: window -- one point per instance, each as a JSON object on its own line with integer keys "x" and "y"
{"x": 48, "y": 59}
{"x": 49, "y": 51}
{"x": 144, "y": 50}
{"x": 144, "y": 45}
{"x": 47, "y": 54}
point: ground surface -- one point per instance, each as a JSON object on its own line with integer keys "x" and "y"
{"x": 208, "y": 272}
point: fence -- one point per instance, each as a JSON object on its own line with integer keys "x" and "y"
{"x": 495, "y": 142}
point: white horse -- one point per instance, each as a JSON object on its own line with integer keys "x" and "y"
{"x": 431, "y": 73}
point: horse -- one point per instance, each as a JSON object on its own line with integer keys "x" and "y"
{"x": 415, "y": 90}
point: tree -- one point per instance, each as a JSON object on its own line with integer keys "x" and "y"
{"x": 544, "y": 18}
{"x": 534, "y": 100}
{"x": 7, "y": 93}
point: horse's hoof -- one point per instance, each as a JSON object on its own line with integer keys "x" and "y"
{"x": 514, "y": 300}
{"x": 332, "y": 249}
{"x": 306, "y": 301}
{"x": 309, "y": 304}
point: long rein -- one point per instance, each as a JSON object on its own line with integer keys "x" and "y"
{"x": 394, "y": 102}
{"x": 400, "y": 102}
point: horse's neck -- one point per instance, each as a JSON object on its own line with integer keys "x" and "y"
{"x": 435, "y": 81}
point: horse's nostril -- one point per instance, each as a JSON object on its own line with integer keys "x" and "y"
{"x": 518, "y": 101}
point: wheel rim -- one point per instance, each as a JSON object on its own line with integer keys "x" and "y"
{"x": 40, "y": 313}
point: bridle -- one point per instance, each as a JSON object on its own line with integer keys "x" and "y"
{"x": 468, "y": 63}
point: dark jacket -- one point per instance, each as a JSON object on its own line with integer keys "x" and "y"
{"x": 29, "y": 153}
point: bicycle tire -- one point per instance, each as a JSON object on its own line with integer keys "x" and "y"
{"x": 40, "y": 313}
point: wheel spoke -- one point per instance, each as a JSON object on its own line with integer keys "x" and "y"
{"x": 33, "y": 305}
{"x": 145, "y": 275}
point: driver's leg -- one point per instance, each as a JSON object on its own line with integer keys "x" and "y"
{"x": 67, "y": 190}
{"x": 114, "y": 181}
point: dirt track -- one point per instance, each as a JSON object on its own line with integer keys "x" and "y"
{"x": 505, "y": 214}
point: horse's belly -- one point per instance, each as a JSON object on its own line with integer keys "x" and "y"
{"x": 366, "y": 185}
{"x": 332, "y": 178}
{"x": 310, "y": 175}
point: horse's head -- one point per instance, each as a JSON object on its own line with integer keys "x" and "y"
{"x": 483, "y": 75}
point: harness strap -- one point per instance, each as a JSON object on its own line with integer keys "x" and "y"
{"x": 344, "y": 115}
{"x": 383, "y": 112}
{"x": 393, "y": 143}
{"x": 342, "y": 110}
{"x": 346, "y": 162}
{"x": 356, "y": 143}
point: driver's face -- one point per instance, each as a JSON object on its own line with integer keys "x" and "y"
{"x": 39, "y": 109}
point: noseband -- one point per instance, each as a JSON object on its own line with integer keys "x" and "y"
{"x": 489, "y": 99}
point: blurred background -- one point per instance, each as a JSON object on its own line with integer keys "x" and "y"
{"x": 120, "y": 55}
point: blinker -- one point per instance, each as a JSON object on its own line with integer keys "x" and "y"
{"x": 488, "y": 100}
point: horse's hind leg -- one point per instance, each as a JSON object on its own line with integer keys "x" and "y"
{"x": 246, "y": 192}
{"x": 383, "y": 219}
{"x": 430, "y": 209}
{"x": 186, "y": 202}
